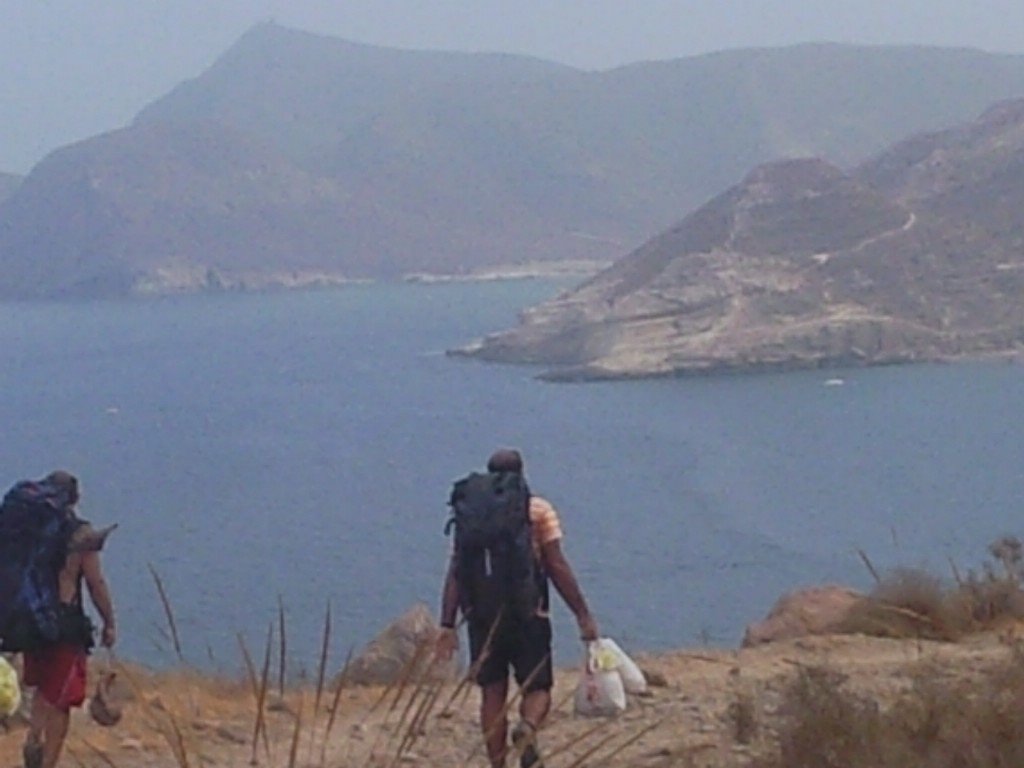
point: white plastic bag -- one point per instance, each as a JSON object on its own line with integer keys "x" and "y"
{"x": 10, "y": 691}
{"x": 600, "y": 692}
{"x": 633, "y": 679}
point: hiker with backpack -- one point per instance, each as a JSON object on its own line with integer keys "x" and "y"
{"x": 46, "y": 553}
{"x": 508, "y": 545}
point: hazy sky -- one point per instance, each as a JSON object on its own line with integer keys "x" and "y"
{"x": 72, "y": 68}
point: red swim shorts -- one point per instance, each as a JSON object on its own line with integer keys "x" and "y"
{"x": 57, "y": 672}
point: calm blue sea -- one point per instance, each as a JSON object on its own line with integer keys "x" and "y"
{"x": 300, "y": 446}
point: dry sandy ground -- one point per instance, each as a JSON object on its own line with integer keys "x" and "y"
{"x": 181, "y": 718}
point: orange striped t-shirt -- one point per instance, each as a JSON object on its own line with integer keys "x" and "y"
{"x": 544, "y": 524}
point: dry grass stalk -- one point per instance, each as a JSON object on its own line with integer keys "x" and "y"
{"x": 405, "y": 725}
{"x": 399, "y": 682}
{"x": 254, "y": 686}
{"x": 259, "y": 689}
{"x": 178, "y": 745}
{"x": 419, "y": 722}
{"x": 297, "y": 733}
{"x": 320, "y": 674}
{"x": 867, "y": 563}
{"x": 282, "y": 662}
{"x": 396, "y": 687}
{"x": 466, "y": 684}
{"x": 956, "y": 573}
{"x": 576, "y": 740}
{"x": 587, "y": 754}
{"x": 426, "y": 693}
{"x": 324, "y": 653}
{"x": 633, "y": 739}
{"x": 168, "y": 613}
{"x": 335, "y": 705}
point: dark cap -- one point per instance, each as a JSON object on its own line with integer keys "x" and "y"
{"x": 505, "y": 460}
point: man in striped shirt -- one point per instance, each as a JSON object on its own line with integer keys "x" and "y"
{"x": 526, "y": 649}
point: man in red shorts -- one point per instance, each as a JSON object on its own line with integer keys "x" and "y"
{"x": 58, "y": 671}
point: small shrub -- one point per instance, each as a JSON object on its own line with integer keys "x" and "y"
{"x": 936, "y": 723}
{"x": 990, "y": 598}
{"x": 909, "y": 603}
{"x": 1008, "y": 551}
{"x": 825, "y": 726}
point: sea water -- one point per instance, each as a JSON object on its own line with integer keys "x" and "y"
{"x": 296, "y": 450}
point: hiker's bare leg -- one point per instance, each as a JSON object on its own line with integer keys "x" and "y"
{"x": 534, "y": 707}
{"x": 49, "y": 725}
{"x": 53, "y": 741}
{"x": 494, "y": 722}
{"x": 36, "y": 719}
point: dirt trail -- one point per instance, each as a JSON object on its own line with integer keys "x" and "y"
{"x": 689, "y": 720}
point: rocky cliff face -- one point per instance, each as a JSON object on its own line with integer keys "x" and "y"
{"x": 916, "y": 255}
{"x": 166, "y": 207}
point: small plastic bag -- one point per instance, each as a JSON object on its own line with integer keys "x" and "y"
{"x": 600, "y": 692}
{"x": 10, "y": 691}
{"x": 633, "y": 679}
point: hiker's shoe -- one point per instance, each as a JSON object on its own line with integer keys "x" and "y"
{"x": 524, "y": 741}
{"x": 32, "y": 753}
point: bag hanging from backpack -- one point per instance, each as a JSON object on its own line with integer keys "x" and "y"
{"x": 495, "y": 564}
{"x": 10, "y": 690}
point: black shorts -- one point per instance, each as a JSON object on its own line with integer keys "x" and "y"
{"x": 523, "y": 646}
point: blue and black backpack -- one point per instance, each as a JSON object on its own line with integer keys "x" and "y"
{"x": 36, "y": 525}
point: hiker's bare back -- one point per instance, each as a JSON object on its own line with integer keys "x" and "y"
{"x": 83, "y": 564}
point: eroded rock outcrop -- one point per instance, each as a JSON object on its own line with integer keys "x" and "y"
{"x": 811, "y": 611}
{"x": 915, "y": 256}
{"x": 390, "y": 655}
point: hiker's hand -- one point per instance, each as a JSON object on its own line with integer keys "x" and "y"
{"x": 447, "y": 644}
{"x": 109, "y": 636}
{"x": 588, "y": 627}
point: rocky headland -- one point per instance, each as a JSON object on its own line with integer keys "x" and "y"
{"x": 914, "y": 255}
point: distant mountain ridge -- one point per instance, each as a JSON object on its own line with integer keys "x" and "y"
{"x": 298, "y": 159}
{"x": 917, "y": 254}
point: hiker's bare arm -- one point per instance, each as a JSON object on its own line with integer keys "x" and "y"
{"x": 450, "y": 597}
{"x": 100, "y": 595}
{"x": 564, "y": 579}
{"x": 448, "y": 639}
